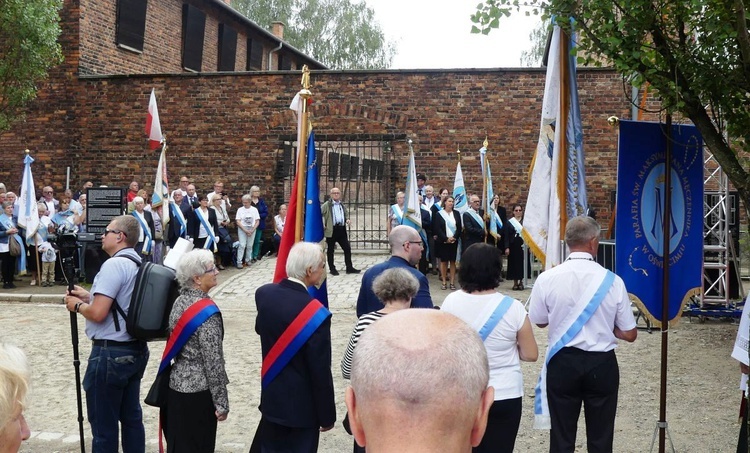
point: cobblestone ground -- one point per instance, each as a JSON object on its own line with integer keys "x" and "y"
{"x": 702, "y": 400}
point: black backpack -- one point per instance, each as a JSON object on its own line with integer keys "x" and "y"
{"x": 154, "y": 293}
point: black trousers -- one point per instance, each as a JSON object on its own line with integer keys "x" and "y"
{"x": 8, "y": 267}
{"x": 339, "y": 236}
{"x": 190, "y": 422}
{"x": 592, "y": 378}
{"x": 502, "y": 427}
{"x": 274, "y": 438}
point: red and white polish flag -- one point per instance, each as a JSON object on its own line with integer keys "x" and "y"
{"x": 153, "y": 126}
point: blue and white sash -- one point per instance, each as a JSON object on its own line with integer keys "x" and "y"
{"x": 498, "y": 222}
{"x": 585, "y": 307}
{"x": 397, "y": 213}
{"x": 450, "y": 223}
{"x": 475, "y": 215}
{"x": 177, "y": 214}
{"x": 211, "y": 240}
{"x": 516, "y": 225}
{"x": 438, "y": 208}
{"x": 426, "y": 208}
{"x": 147, "y": 239}
{"x": 497, "y": 314}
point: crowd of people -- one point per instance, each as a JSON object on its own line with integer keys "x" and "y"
{"x": 413, "y": 373}
{"x": 204, "y": 219}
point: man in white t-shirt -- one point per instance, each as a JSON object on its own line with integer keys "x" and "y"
{"x": 585, "y": 369}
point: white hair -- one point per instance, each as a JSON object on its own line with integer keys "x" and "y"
{"x": 303, "y": 256}
{"x": 193, "y": 264}
{"x": 138, "y": 200}
{"x": 14, "y": 381}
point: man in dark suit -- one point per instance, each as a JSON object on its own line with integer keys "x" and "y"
{"x": 406, "y": 250}
{"x": 424, "y": 263}
{"x": 144, "y": 246}
{"x": 297, "y": 402}
{"x": 474, "y": 226}
{"x": 191, "y": 199}
{"x": 335, "y": 221}
{"x": 173, "y": 232}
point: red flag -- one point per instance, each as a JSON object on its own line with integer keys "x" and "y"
{"x": 288, "y": 237}
{"x": 153, "y": 126}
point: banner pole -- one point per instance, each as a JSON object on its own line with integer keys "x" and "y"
{"x": 666, "y": 227}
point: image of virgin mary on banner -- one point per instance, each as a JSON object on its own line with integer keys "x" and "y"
{"x": 640, "y": 215}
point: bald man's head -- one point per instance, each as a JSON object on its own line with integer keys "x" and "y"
{"x": 417, "y": 365}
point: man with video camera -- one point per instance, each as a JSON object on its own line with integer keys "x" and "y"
{"x": 113, "y": 377}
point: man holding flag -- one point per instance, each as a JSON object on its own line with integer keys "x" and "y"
{"x": 296, "y": 335}
{"x": 160, "y": 198}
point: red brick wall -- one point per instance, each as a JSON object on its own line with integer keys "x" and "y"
{"x": 231, "y": 126}
{"x": 162, "y": 47}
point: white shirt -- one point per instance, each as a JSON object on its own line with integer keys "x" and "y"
{"x": 337, "y": 211}
{"x": 248, "y": 216}
{"x": 501, "y": 344}
{"x": 556, "y": 291}
{"x": 429, "y": 201}
{"x": 279, "y": 222}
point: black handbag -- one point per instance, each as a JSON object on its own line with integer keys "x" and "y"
{"x": 157, "y": 394}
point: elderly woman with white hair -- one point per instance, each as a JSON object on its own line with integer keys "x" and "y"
{"x": 296, "y": 399}
{"x": 198, "y": 397}
{"x": 14, "y": 383}
{"x": 248, "y": 220}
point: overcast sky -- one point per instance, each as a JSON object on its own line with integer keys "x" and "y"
{"x": 436, "y": 34}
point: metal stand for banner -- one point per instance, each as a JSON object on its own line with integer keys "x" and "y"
{"x": 660, "y": 425}
{"x": 720, "y": 263}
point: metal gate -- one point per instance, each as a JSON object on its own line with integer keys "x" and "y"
{"x": 363, "y": 168}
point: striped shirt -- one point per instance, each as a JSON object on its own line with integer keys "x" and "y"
{"x": 364, "y": 321}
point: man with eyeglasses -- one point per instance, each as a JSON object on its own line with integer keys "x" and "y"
{"x": 474, "y": 226}
{"x": 335, "y": 221}
{"x": 113, "y": 377}
{"x": 48, "y": 198}
{"x": 406, "y": 250}
{"x": 184, "y": 181}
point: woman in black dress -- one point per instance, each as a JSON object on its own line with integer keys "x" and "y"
{"x": 514, "y": 247}
{"x": 447, "y": 227}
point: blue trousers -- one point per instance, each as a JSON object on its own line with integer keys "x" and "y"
{"x": 112, "y": 383}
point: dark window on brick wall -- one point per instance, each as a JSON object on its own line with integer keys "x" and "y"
{"x": 287, "y": 166}
{"x": 333, "y": 166}
{"x": 254, "y": 55}
{"x": 366, "y": 168}
{"x": 227, "y": 47}
{"x": 285, "y": 63}
{"x": 131, "y": 24}
{"x": 193, "y": 30}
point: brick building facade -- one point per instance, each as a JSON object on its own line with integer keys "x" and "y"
{"x": 236, "y": 125}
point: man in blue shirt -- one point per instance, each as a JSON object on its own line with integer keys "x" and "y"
{"x": 406, "y": 250}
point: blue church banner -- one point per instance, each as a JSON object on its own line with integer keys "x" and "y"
{"x": 640, "y": 215}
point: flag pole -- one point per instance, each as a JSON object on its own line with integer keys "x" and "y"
{"x": 562, "y": 190}
{"x": 302, "y": 134}
{"x": 485, "y": 186}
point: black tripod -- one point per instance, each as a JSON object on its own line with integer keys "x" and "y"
{"x": 68, "y": 267}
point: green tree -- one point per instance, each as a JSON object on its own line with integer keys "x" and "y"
{"x": 28, "y": 49}
{"x": 339, "y": 33}
{"x": 695, "y": 54}
{"x": 538, "y": 38}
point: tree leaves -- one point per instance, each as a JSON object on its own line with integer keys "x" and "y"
{"x": 339, "y": 33}
{"x": 695, "y": 54}
{"x": 28, "y": 49}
